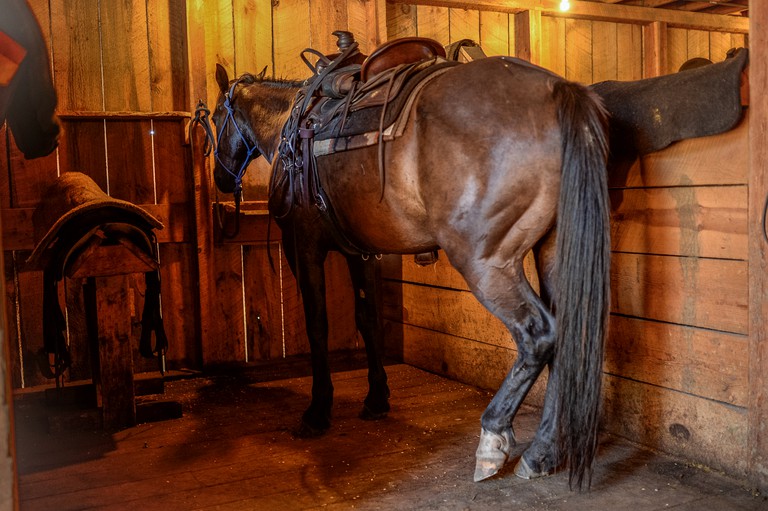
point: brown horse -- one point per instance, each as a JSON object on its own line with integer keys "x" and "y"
{"x": 27, "y": 95}
{"x": 497, "y": 157}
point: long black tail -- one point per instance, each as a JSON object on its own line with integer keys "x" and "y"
{"x": 583, "y": 279}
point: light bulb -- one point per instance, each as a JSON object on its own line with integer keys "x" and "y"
{"x": 565, "y": 5}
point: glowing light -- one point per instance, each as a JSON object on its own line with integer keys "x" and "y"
{"x": 565, "y": 5}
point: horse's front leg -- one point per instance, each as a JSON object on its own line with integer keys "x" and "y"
{"x": 308, "y": 267}
{"x": 369, "y": 323}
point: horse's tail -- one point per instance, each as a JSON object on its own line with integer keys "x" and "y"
{"x": 582, "y": 298}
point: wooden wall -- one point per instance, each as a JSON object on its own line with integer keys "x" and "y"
{"x": 129, "y": 75}
{"x": 675, "y": 370}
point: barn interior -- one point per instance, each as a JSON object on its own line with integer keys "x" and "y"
{"x": 686, "y": 358}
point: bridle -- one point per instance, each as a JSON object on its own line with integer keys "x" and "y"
{"x": 251, "y": 149}
{"x": 202, "y": 117}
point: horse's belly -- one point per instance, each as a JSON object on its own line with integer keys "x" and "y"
{"x": 390, "y": 222}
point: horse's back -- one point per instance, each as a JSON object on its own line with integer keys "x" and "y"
{"x": 490, "y": 174}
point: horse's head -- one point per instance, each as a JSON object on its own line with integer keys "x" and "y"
{"x": 30, "y": 96}
{"x": 236, "y": 142}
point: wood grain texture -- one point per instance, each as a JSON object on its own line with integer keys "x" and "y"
{"x": 252, "y": 36}
{"x": 433, "y": 22}
{"x": 401, "y": 21}
{"x": 696, "y": 361}
{"x": 757, "y": 453}
{"x": 125, "y": 56}
{"x": 697, "y": 429}
{"x": 685, "y": 221}
{"x": 168, "y": 64}
{"x": 717, "y": 160}
{"x": 707, "y": 293}
{"x": 288, "y": 44}
{"x": 464, "y": 24}
{"x": 578, "y": 51}
{"x": 495, "y": 34}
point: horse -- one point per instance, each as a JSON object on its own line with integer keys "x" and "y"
{"x": 27, "y": 95}
{"x": 497, "y": 157}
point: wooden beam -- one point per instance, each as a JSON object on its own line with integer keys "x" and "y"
{"x": 528, "y": 36}
{"x": 654, "y": 49}
{"x": 602, "y": 12}
{"x": 9, "y": 497}
{"x": 757, "y": 441}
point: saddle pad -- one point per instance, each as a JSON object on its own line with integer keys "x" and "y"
{"x": 368, "y": 118}
{"x": 648, "y": 115}
{"x": 70, "y": 208}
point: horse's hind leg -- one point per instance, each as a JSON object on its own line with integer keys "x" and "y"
{"x": 506, "y": 293}
{"x": 542, "y": 456}
{"x": 369, "y": 324}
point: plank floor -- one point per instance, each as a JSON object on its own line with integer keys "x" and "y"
{"x": 233, "y": 450}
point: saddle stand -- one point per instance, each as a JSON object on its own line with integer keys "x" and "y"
{"x": 89, "y": 235}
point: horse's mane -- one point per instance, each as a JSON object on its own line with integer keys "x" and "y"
{"x": 279, "y": 83}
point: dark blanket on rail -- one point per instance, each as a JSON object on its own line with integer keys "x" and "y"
{"x": 648, "y": 115}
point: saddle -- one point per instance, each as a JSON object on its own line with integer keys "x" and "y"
{"x": 351, "y": 101}
{"x": 75, "y": 213}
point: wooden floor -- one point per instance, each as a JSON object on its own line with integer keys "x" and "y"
{"x": 233, "y": 449}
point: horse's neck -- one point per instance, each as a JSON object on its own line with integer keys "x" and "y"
{"x": 270, "y": 117}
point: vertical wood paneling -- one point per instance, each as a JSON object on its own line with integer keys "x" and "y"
{"x": 367, "y": 19}
{"x": 179, "y": 303}
{"x": 172, "y": 174}
{"x": 698, "y": 44}
{"x": 433, "y": 22}
{"x": 324, "y": 19}
{"x": 677, "y": 48}
{"x": 125, "y": 56}
{"x": 605, "y": 56}
{"x": 757, "y": 439}
{"x": 28, "y": 178}
{"x": 129, "y": 160}
{"x": 464, "y": 24}
{"x": 82, "y": 149}
{"x": 494, "y": 33}
{"x": 578, "y": 50}
{"x": 77, "y": 54}
{"x": 219, "y": 42}
{"x": 168, "y": 65}
{"x": 401, "y": 21}
{"x": 629, "y": 49}
{"x": 553, "y": 44}
{"x": 264, "y": 303}
{"x": 225, "y": 342}
{"x": 719, "y": 44}
{"x": 253, "y": 36}
{"x": 290, "y": 43}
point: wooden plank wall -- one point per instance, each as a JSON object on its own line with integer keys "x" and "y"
{"x": 108, "y": 59}
{"x": 675, "y": 371}
{"x": 128, "y": 75}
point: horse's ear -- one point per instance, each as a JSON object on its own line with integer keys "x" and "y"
{"x": 221, "y": 78}
{"x": 263, "y": 73}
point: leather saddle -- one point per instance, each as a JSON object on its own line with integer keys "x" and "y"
{"x": 347, "y": 104}
{"x": 73, "y": 214}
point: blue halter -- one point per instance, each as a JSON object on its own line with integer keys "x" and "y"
{"x": 251, "y": 149}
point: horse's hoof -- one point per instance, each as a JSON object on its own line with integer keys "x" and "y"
{"x": 492, "y": 453}
{"x": 369, "y": 415}
{"x": 524, "y": 471}
{"x": 306, "y": 430}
